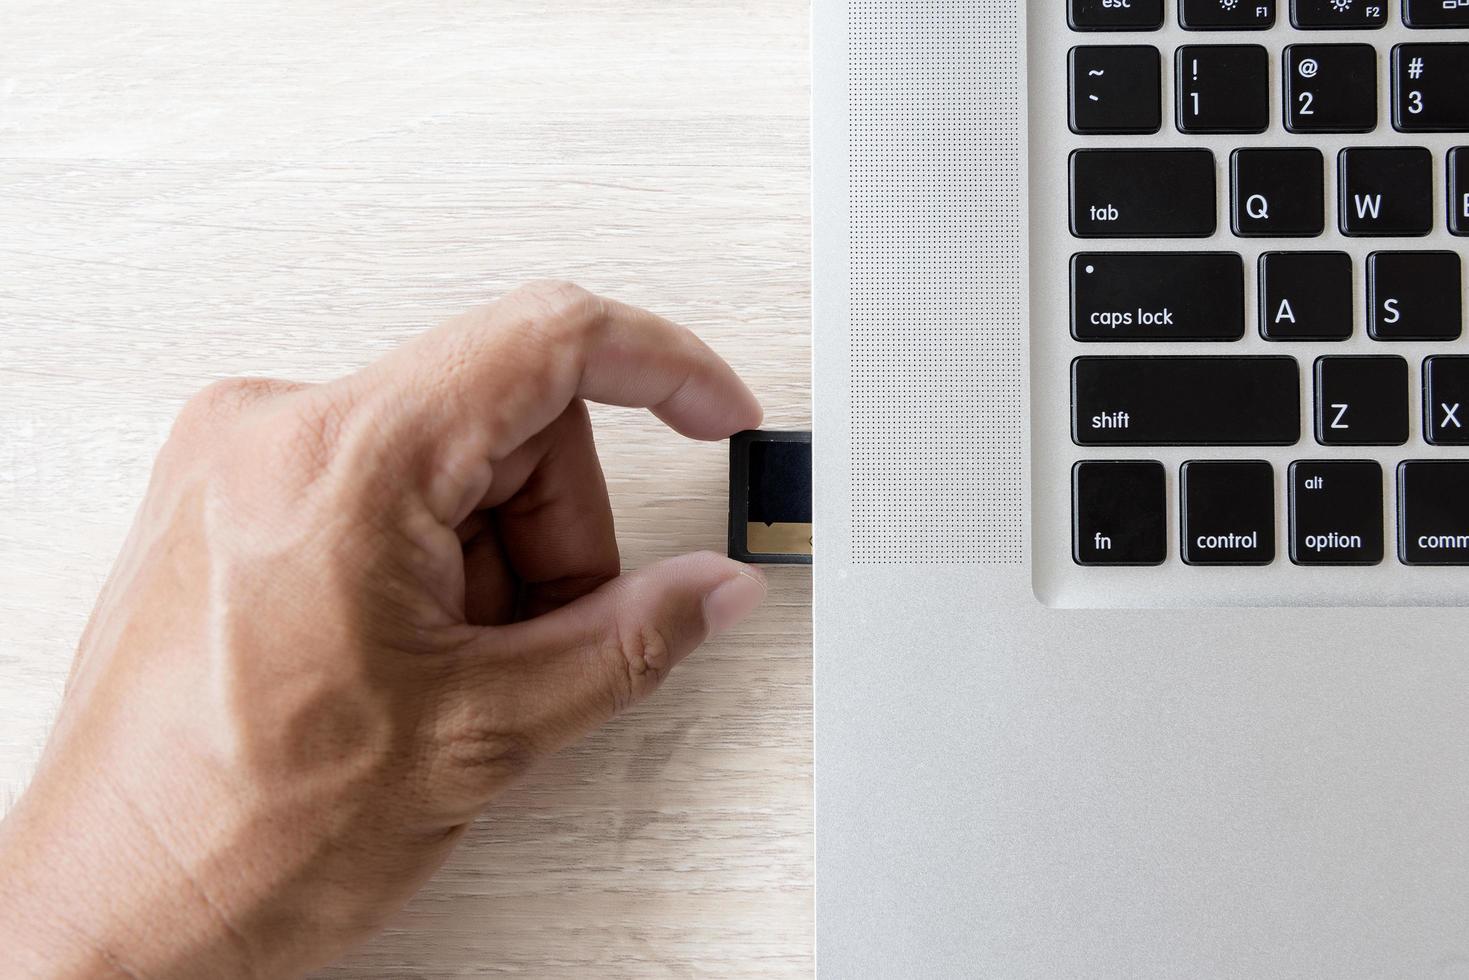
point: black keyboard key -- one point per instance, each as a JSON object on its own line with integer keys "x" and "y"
{"x": 1430, "y": 86}
{"x": 1305, "y": 295}
{"x": 1433, "y": 512}
{"x": 1331, "y": 88}
{"x": 1446, "y": 400}
{"x": 1361, "y": 401}
{"x": 1385, "y": 190}
{"x": 1185, "y": 401}
{"x": 1157, "y": 296}
{"x": 1414, "y": 296}
{"x": 1119, "y": 513}
{"x": 1336, "y": 512}
{"x": 1338, "y": 15}
{"x": 1277, "y": 193}
{"x": 1143, "y": 194}
{"x": 1116, "y": 89}
{"x": 1212, "y": 15}
{"x": 1222, "y": 88}
{"x": 1228, "y": 512}
{"x": 1436, "y": 13}
{"x": 1114, "y": 15}
{"x": 1459, "y": 190}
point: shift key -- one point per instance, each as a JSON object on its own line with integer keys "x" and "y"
{"x": 1185, "y": 401}
{"x": 1157, "y": 296}
{"x": 1143, "y": 194}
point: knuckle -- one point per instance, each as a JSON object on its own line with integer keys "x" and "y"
{"x": 556, "y": 310}
{"x": 641, "y": 657}
{"x": 487, "y": 749}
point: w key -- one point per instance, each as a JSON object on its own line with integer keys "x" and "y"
{"x": 1143, "y": 194}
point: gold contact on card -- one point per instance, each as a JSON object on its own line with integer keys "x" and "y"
{"x": 778, "y": 539}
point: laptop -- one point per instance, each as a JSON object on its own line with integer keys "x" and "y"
{"x": 1142, "y": 488}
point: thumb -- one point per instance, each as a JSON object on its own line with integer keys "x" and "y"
{"x": 600, "y": 655}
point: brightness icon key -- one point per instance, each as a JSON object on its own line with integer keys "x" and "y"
{"x": 1226, "y": 15}
{"x": 1338, "y": 15}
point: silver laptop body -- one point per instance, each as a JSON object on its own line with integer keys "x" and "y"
{"x": 1030, "y": 767}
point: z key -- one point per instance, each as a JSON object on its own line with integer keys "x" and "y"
{"x": 1430, "y": 88}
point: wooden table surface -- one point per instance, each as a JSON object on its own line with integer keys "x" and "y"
{"x": 190, "y": 191}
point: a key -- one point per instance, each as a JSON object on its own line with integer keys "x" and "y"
{"x": 1157, "y": 296}
{"x": 1385, "y": 191}
{"x": 1185, "y": 401}
{"x": 1338, "y": 15}
{"x": 1116, "y": 89}
{"x": 1433, "y": 512}
{"x": 1110, "y": 15}
{"x": 1277, "y": 193}
{"x": 1361, "y": 401}
{"x": 1430, "y": 86}
{"x": 1330, "y": 88}
{"x": 1446, "y": 400}
{"x": 1305, "y": 295}
{"x": 1336, "y": 512}
{"x": 1223, "y": 88}
{"x": 1119, "y": 513}
{"x": 1143, "y": 194}
{"x": 1212, "y": 15}
{"x": 1228, "y": 512}
{"x": 1436, "y": 13}
{"x": 1414, "y": 296}
{"x": 1459, "y": 189}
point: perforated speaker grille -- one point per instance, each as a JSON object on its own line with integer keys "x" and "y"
{"x": 937, "y": 329}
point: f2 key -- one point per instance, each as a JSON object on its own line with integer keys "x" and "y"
{"x": 1338, "y": 15}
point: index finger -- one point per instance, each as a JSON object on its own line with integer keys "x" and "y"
{"x": 497, "y": 375}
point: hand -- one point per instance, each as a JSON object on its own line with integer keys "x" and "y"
{"x": 347, "y": 616}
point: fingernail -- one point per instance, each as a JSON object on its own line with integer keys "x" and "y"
{"x": 733, "y": 600}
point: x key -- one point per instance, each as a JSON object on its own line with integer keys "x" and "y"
{"x": 1446, "y": 400}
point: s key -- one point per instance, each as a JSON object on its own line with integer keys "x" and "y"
{"x": 1336, "y": 512}
{"x": 1143, "y": 194}
{"x": 1429, "y": 89}
{"x": 1414, "y": 296}
{"x": 1331, "y": 88}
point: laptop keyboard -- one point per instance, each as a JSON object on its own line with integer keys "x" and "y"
{"x": 1260, "y": 322}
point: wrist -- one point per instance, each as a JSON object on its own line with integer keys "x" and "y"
{"x": 72, "y": 908}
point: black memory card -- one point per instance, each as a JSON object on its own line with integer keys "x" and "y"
{"x": 770, "y": 497}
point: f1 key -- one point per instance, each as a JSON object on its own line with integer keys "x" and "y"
{"x": 1336, "y": 512}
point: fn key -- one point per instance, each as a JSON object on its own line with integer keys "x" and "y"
{"x": 1119, "y": 513}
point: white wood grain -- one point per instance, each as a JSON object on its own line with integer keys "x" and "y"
{"x": 197, "y": 190}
